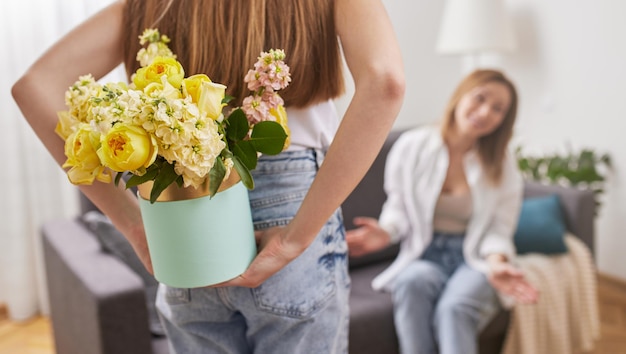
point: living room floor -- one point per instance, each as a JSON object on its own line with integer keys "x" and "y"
{"x": 35, "y": 337}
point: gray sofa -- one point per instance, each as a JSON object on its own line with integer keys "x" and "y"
{"x": 98, "y": 304}
{"x": 371, "y": 328}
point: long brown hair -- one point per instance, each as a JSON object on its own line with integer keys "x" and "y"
{"x": 223, "y": 38}
{"x": 492, "y": 147}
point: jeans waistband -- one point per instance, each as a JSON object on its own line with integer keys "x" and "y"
{"x": 448, "y": 234}
{"x": 447, "y": 240}
{"x": 299, "y": 160}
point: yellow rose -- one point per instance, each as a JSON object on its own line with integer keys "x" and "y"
{"x": 159, "y": 67}
{"x": 66, "y": 124}
{"x": 163, "y": 89}
{"x": 80, "y": 149}
{"x": 127, "y": 148}
{"x": 152, "y": 87}
{"x": 281, "y": 118}
{"x": 192, "y": 85}
{"x": 210, "y": 100}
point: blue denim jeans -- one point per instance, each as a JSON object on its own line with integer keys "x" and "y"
{"x": 301, "y": 309}
{"x": 440, "y": 303}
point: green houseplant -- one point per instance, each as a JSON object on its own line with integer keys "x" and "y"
{"x": 585, "y": 169}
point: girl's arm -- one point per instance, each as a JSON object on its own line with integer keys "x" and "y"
{"x": 94, "y": 47}
{"x": 375, "y": 62}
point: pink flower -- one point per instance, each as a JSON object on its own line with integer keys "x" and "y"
{"x": 270, "y": 74}
{"x": 279, "y": 75}
{"x": 252, "y": 79}
{"x": 256, "y": 109}
{"x": 273, "y": 99}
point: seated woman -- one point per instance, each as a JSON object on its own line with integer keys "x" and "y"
{"x": 453, "y": 201}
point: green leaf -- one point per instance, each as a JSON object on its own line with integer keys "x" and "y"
{"x": 227, "y": 99}
{"x": 582, "y": 169}
{"x": 523, "y": 164}
{"x": 244, "y": 173}
{"x": 226, "y": 154}
{"x": 246, "y": 153}
{"x": 606, "y": 159}
{"x": 268, "y": 137}
{"x": 150, "y": 175}
{"x": 180, "y": 181}
{"x": 166, "y": 176}
{"x": 238, "y": 126}
{"x": 216, "y": 176}
{"x": 118, "y": 177}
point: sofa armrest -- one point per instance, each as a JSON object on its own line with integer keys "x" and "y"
{"x": 97, "y": 303}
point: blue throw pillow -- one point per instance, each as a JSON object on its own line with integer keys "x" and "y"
{"x": 541, "y": 227}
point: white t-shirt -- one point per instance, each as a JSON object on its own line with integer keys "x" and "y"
{"x": 313, "y": 126}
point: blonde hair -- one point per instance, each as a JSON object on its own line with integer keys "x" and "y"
{"x": 223, "y": 38}
{"x": 492, "y": 147}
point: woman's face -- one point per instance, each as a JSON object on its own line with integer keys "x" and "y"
{"x": 481, "y": 110}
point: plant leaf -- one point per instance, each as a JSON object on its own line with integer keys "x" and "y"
{"x": 135, "y": 180}
{"x": 246, "y": 152}
{"x": 268, "y": 137}
{"x": 606, "y": 159}
{"x": 227, "y": 98}
{"x": 216, "y": 176}
{"x": 118, "y": 177}
{"x": 582, "y": 170}
{"x": 244, "y": 173}
{"x": 166, "y": 176}
{"x": 180, "y": 181}
{"x": 523, "y": 165}
{"x": 238, "y": 126}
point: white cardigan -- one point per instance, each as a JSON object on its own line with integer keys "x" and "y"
{"x": 415, "y": 170}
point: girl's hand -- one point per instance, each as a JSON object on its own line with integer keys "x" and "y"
{"x": 368, "y": 237}
{"x": 509, "y": 280}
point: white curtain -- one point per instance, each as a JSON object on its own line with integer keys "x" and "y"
{"x": 33, "y": 189}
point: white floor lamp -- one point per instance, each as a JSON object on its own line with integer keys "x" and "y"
{"x": 475, "y": 29}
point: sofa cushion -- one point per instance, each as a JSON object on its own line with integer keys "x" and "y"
{"x": 112, "y": 241}
{"x": 541, "y": 227}
{"x": 372, "y": 329}
{"x": 388, "y": 253}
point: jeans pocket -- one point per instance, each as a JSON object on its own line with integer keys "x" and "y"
{"x": 303, "y": 286}
{"x": 177, "y": 296}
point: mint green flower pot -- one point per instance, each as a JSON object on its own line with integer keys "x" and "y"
{"x": 201, "y": 241}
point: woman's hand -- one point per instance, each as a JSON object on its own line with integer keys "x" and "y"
{"x": 273, "y": 255}
{"x": 368, "y": 237}
{"x": 509, "y": 280}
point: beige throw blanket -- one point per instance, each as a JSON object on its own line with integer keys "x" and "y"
{"x": 565, "y": 320}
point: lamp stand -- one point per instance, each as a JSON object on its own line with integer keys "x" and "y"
{"x": 470, "y": 62}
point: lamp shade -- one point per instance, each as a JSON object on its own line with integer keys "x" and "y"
{"x": 475, "y": 26}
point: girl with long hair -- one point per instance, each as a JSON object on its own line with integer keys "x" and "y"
{"x": 293, "y": 298}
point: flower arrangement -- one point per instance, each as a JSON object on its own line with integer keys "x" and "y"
{"x": 166, "y": 128}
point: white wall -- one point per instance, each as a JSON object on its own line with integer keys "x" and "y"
{"x": 36, "y": 190}
{"x": 570, "y": 70}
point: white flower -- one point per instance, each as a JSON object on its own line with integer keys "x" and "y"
{"x": 157, "y": 47}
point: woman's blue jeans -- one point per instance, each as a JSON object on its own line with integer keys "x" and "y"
{"x": 301, "y": 309}
{"x": 440, "y": 303}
